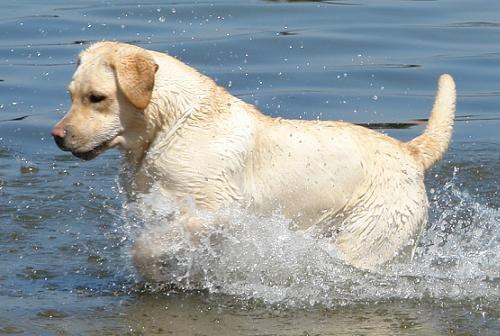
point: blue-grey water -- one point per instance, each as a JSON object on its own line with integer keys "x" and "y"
{"x": 65, "y": 229}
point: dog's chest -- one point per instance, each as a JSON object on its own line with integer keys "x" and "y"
{"x": 202, "y": 164}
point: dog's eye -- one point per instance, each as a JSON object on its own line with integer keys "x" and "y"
{"x": 96, "y": 98}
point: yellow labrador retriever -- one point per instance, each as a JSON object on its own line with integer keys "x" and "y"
{"x": 176, "y": 127}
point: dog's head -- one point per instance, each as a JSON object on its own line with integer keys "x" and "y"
{"x": 110, "y": 89}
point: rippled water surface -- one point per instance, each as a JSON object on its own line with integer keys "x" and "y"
{"x": 65, "y": 230}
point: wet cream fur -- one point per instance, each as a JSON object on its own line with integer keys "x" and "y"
{"x": 180, "y": 129}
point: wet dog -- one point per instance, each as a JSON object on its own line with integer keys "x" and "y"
{"x": 178, "y": 129}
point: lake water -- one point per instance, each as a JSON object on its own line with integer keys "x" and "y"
{"x": 65, "y": 230}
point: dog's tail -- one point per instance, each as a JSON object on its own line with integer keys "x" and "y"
{"x": 429, "y": 147}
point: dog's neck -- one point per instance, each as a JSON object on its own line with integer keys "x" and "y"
{"x": 178, "y": 95}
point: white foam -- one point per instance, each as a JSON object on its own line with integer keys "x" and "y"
{"x": 262, "y": 258}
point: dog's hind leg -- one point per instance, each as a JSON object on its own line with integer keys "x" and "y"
{"x": 383, "y": 221}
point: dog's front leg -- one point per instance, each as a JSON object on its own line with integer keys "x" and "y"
{"x": 201, "y": 227}
{"x": 160, "y": 253}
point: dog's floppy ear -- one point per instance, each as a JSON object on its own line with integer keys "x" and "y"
{"x": 136, "y": 77}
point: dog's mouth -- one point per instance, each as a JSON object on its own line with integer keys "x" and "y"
{"x": 93, "y": 153}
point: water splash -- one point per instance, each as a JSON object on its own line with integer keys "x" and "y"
{"x": 262, "y": 258}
